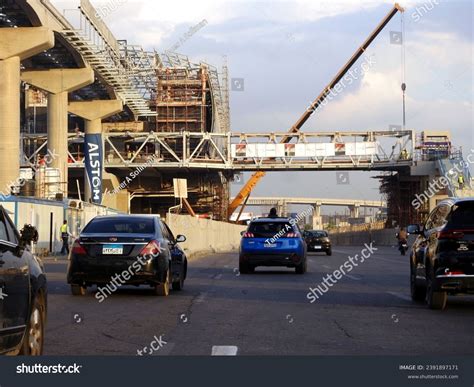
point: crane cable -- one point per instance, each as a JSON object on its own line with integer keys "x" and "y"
{"x": 403, "y": 67}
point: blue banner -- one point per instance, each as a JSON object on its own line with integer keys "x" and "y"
{"x": 93, "y": 162}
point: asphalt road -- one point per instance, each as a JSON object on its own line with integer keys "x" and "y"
{"x": 266, "y": 313}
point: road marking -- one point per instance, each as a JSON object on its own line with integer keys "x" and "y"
{"x": 224, "y": 350}
{"x": 218, "y": 276}
{"x": 400, "y": 296}
{"x": 353, "y": 277}
{"x": 326, "y": 266}
{"x": 200, "y": 298}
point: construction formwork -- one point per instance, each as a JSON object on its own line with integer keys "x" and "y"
{"x": 183, "y": 100}
{"x": 399, "y": 190}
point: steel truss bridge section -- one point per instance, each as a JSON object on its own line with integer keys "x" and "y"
{"x": 91, "y": 38}
{"x": 380, "y": 150}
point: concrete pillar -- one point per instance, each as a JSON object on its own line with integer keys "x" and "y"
{"x": 317, "y": 218}
{"x": 58, "y": 83}
{"x": 16, "y": 44}
{"x": 94, "y": 112}
{"x": 354, "y": 210}
{"x": 9, "y": 123}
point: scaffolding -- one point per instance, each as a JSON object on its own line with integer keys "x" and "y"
{"x": 190, "y": 96}
{"x": 182, "y": 99}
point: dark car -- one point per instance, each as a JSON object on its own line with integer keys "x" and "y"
{"x": 442, "y": 258}
{"x": 23, "y": 294}
{"x": 272, "y": 242}
{"x": 318, "y": 240}
{"x": 111, "y": 246}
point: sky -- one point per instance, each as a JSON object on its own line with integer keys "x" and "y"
{"x": 287, "y": 51}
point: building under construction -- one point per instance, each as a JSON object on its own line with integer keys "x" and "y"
{"x": 408, "y": 193}
{"x": 161, "y": 92}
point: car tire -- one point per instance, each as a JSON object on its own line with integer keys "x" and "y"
{"x": 435, "y": 300}
{"x": 418, "y": 293}
{"x": 179, "y": 285}
{"x": 78, "y": 290}
{"x": 33, "y": 339}
{"x": 244, "y": 268}
{"x": 302, "y": 267}
{"x": 163, "y": 289}
{"x": 329, "y": 252}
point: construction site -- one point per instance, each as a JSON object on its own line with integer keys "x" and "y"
{"x": 156, "y": 119}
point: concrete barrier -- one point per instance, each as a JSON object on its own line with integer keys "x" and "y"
{"x": 48, "y": 216}
{"x": 384, "y": 237}
{"x": 204, "y": 235}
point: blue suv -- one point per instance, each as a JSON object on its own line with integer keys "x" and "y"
{"x": 272, "y": 242}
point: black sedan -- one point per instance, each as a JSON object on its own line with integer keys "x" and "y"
{"x": 442, "y": 259}
{"x": 23, "y": 294}
{"x": 126, "y": 250}
{"x": 318, "y": 240}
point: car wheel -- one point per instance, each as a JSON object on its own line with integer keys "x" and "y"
{"x": 418, "y": 293}
{"x": 435, "y": 300}
{"x": 78, "y": 290}
{"x": 34, "y": 336}
{"x": 301, "y": 268}
{"x": 329, "y": 252}
{"x": 179, "y": 285}
{"x": 163, "y": 289}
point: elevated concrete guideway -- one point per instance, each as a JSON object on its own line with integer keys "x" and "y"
{"x": 265, "y": 201}
{"x": 281, "y": 203}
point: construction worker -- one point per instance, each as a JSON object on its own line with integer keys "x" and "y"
{"x": 461, "y": 181}
{"x": 65, "y": 238}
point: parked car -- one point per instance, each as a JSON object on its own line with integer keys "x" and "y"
{"x": 142, "y": 245}
{"x": 442, "y": 258}
{"x": 23, "y": 294}
{"x": 272, "y": 242}
{"x": 318, "y": 240}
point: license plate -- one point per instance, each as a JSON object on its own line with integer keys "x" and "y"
{"x": 270, "y": 245}
{"x": 112, "y": 250}
{"x": 318, "y": 247}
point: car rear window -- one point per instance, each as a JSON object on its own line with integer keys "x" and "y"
{"x": 317, "y": 234}
{"x": 462, "y": 215}
{"x": 270, "y": 229}
{"x": 121, "y": 225}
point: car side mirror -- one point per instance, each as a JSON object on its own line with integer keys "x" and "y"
{"x": 180, "y": 239}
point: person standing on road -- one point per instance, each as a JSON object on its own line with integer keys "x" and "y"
{"x": 65, "y": 237}
{"x": 461, "y": 181}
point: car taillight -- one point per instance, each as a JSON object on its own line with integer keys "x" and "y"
{"x": 450, "y": 234}
{"x": 152, "y": 248}
{"x": 78, "y": 249}
{"x": 455, "y": 272}
{"x": 293, "y": 235}
{"x": 248, "y": 235}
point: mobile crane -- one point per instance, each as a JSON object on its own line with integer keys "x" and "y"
{"x": 242, "y": 197}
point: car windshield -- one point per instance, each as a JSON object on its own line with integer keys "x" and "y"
{"x": 317, "y": 234}
{"x": 270, "y": 229}
{"x": 462, "y": 215}
{"x": 120, "y": 225}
